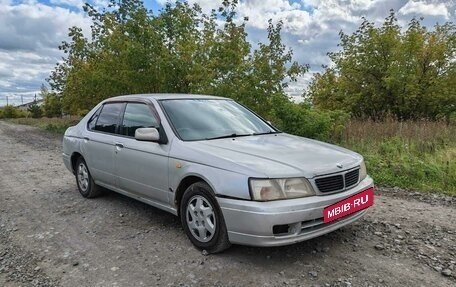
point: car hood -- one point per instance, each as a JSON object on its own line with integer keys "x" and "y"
{"x": 275, "y": 155}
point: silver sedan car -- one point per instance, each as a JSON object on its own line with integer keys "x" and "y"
{"x": 229, "y": 175}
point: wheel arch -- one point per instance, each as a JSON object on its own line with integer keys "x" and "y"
{"x": 184, "y": 184}
{"x": 74, "y": 159}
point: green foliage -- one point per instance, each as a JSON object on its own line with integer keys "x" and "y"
{"x": 11, "y": 112}
{"x": 35, "y": 110}
{"x": 52, "y": 105}
{"x": 412, "y": 155}
{"x": 179, "y": 50}
{"x": 384, "y": 70}
{"x": 302, "y": 120}
{"x": 56, "y": 128}
{"x": 82, "y": 113}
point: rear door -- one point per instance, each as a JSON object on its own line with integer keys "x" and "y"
{"x": 142, "y": 167}
{"x": 99, "y": 143}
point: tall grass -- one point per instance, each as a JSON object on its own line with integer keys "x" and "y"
{"x": 413, "y": 154}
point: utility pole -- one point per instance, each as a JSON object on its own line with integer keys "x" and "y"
{"x": 22, "y": 99}
{"x": 6, "y": 100}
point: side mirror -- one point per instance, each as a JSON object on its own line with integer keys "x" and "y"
{"x": 147, "y": 134}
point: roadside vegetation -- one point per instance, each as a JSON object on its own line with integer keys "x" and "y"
{"x": 54, "y": 125}
{"x": 418, "y": 155}
{"x": 389, "y": 92}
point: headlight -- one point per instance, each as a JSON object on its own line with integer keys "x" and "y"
{"x": 362, "y": 171}
{"x": 272, "y": 189}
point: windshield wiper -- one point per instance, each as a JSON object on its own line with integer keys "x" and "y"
{"x": 267, "y": 133}
{"x": 228, "y": 136}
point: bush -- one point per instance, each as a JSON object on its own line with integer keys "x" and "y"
{"x": 52, "y": 105}
{"x": 35, "y": 111}
{"x": 302, "y": 120}
{"x": 10, "y": 112}
{"x": 58, "y": 128}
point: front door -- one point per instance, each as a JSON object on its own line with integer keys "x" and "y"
{"x": 141, "y": 166}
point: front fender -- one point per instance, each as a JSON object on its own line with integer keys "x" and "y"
{"x": 223, "y": 182}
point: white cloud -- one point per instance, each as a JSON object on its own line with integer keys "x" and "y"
{"x": 259, "y": 12}
{"x": 422, "y": 8}
{"x": 206, "y": 5}
{"x": 30, "y": 34}
{"x": 33, "y": 26}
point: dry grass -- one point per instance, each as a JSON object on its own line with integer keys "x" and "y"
{"x": 423, "y": 131}
{"x": 414, "y": 154}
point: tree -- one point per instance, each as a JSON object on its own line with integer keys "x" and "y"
{"x": 179, "y": 50}
{"x": 383, "y": 71}
{"x": 35, "y": 110}
{"x": 52, "y": 105}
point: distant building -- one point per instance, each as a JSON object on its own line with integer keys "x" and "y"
{"x": 25, "y": 106}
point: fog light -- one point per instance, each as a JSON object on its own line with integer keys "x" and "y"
{"x": 280, "y": 229}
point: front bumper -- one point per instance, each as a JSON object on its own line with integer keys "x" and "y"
{"x": 252, "y": 222}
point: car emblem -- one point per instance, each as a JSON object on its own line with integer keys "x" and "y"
{"x": 339, "y": 165}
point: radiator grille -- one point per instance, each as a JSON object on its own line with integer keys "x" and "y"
{"x": 330, "y": 183}
{"x": 337, "y": 182}
{"x": 351, "y": 178}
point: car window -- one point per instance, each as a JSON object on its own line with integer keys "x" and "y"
{"x": 137, "y": 116}
{"x": 109, "y": 117}
{"x": 199, "y": 119}
{"x": 93, "y": 120}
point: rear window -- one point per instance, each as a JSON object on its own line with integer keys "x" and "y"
{"x": 109, "y": 118}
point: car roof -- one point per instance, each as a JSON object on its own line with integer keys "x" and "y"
{"x": 164, "y": 96}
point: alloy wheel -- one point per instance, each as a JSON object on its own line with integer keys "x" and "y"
{"x": 200, "y": 218}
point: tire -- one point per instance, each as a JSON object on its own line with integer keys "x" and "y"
{"x": 84, "y": 180}
{"x": 202, "y": 219}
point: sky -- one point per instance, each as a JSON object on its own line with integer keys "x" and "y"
{"x": 31, "y": 31}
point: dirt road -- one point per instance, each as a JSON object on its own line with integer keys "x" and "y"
{"x": 51, "y": 236}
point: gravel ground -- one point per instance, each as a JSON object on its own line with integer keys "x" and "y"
{"x": 51, "y": 236}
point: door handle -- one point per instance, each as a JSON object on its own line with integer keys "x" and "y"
{"x": 119, "y": 145}
{"x": 86, "y": 139}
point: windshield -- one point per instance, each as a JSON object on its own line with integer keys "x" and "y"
{"x": 204, "y": 119}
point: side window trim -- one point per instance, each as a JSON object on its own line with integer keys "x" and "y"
{"x": 94, "y": 117}
{"x": 161, "y": 129}
{"x": 98, "y": 117}
{"x": 121, "y": 118}
{"x": 154, "y": 112}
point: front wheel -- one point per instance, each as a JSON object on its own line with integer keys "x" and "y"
{"x": 202, "y": 219}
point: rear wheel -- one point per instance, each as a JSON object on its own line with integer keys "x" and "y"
{"x": 202, "y": 219}
{"x": 84, "y": 180}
